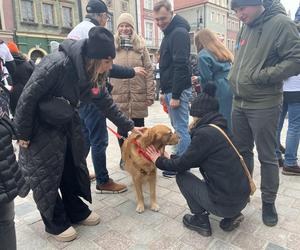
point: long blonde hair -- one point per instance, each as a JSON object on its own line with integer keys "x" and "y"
{"x": 206, "y": 39}
{"x": 92, "y": 67}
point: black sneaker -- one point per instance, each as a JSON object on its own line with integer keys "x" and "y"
{"x": 280, "y": 163}
{"x": 122, "y": 164}
{"x": 229, "y": 224}
{"x": 269, "y": 214}
{"x": 169, "y": 174}
{"x": 291, "y": 170}
{"x": 198, "y": 223}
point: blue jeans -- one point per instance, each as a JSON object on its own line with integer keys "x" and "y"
{"x": 95, "y": 134}
{"x": 180, "y": 119}
{"x": 293, "y": 133}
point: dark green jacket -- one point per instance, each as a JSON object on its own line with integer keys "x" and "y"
{"x": 267, "y": 52}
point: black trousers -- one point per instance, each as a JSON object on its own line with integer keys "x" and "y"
{"x": 138, "y": 122}
{"x": 195, "y": 191}
{"x": 69, "y": 208}
{"x": 7, "y": 226}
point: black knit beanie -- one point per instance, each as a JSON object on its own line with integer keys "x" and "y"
{"x": 243, "y": 3}
{"x": 100, "y": 44}
{"x": 205, "y": 102}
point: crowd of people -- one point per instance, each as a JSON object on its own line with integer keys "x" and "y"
{"x": 59, "y": 109}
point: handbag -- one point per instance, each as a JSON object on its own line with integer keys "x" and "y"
{"x": 246, "y": 170}
{"x": 56, "y": 111}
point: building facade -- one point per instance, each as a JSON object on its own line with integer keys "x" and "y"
{"x": 38, "y": 22}
{"x": 7, "y": 24}
{"x": 212, "y": 14}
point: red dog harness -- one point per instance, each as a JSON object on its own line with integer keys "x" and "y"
{"x": 140, "y": 150}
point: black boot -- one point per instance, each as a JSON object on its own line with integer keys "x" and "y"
{"x": 269, "y": 214}
{"x": 229, "y": 224}
{"x": 122, "y": 164}
{"x": 199, "y": 223}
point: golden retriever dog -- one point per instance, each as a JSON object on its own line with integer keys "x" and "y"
{"x": 142, "y": 169}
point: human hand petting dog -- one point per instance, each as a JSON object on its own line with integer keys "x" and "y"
{"x": 153, "y": 153}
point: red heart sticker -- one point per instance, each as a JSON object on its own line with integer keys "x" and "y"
{"x": 95, "y": 91}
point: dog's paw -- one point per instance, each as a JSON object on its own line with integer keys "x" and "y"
{"x": 140, "y": 208}
{"x": 154, "y": 207}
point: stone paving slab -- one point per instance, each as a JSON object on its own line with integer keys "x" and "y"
{"x": 122, "y": 228}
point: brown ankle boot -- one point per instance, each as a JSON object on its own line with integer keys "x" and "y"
{"x": 110, "y": 187}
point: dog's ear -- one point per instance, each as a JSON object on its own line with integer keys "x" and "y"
{"x": 137, "y": 136}
{"x": 147, "y": 138}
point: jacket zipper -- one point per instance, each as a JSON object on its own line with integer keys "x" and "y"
{"x": 240, "y": 66}
{"x": 129, "y": 87}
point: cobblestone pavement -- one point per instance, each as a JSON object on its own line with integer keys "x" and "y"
{"x": 122, "y": 228}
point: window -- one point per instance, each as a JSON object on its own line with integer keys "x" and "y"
{"x": 149, "y": 33}
{"x": 109, "y": 3}
{"x": 218, "y": 18}
{"x": 48, "y": 14}
{"x": 124, "y": 6}
{"x": 223, "y": 19}
{"x": 160, "y": 37}
{"x": 27, "y": 11}
{"x": 67, "y": 17}
{"x": 212, "y": 16}
{"x": 148, "y": 4}
{"x": 1, "y": 28}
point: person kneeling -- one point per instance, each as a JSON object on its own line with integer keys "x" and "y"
{"x": 225, "y": 189}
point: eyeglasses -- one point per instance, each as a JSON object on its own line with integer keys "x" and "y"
{"x": 105, "y": 15}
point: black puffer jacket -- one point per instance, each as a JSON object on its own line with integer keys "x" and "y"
{"x": 59, "y": 74}
{"x": 174, "y": 64}
{"x": 12, "y": 181}
{"x": 22, "y": 74}
{"x": 218, "y": 162}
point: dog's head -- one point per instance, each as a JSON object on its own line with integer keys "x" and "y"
{"x": 159, "y": 136}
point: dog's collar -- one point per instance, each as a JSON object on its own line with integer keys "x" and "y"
{"x": 141, "y": 151}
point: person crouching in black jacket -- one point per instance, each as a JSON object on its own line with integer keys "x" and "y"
{"x": 225, "y": 189}
{"x": 12, "y": 181}
{"x": 53, "y": 154}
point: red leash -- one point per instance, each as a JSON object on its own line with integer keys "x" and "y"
{"x": 140, "y": 150}
{"x": 116, "y": 134}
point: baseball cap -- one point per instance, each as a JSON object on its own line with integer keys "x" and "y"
{"x": 97, "y": 6}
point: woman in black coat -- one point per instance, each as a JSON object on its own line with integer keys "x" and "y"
{"x": 53, "y": 156}
{"x": 24, "y": 69}
{"x": 12, "y": 182}
{"x": 225, "y": 189}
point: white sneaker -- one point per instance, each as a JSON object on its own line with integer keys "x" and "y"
{"x": 92, "y": 220}
{"x": 67, "y": 235}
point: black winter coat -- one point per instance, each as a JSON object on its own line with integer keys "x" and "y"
{"x": 59, "y": 74}
{"x": 22, "y": 74}
{"x": 12, "y": 181}
{"x": 174, "y": 63}
{"x": 217, "y": 161}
